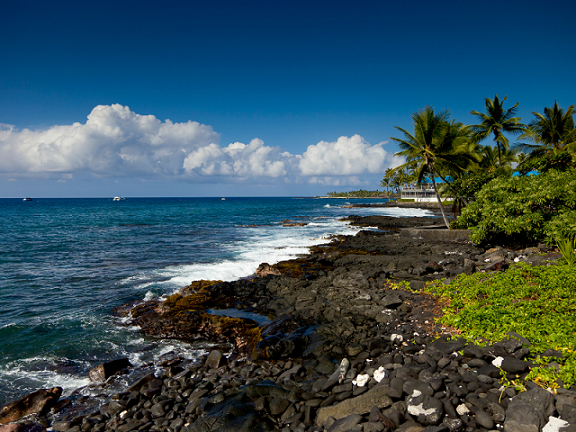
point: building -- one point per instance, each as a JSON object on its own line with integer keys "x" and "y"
{"x": 421, "y": 193}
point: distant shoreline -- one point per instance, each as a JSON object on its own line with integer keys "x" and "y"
{"x": 352, "y": 197}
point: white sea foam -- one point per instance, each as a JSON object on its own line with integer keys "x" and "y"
{"x": 391, "y": 211}
{"x": 163, "y": 349}
{"x": 11, "y": 324}
{"x": 30, "y": 374}
{"x": 269, "y": 244}
{"x": 149, "y": 296}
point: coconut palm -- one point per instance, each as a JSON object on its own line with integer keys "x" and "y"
{"x": 399, "y": 179}
{"x": 551, "y": 139}
{"x": 387, "y": 180}
{"x": 553, "y": 129}
{"x": 433, "y": 147}
{"x": 497, "y": 121}
{"x": 492, "y": 161}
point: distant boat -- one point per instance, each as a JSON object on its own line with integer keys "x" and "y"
{"x": 118, "y": 198}
{"x": 27, "y": 199}
{"x": 223, "y": 199}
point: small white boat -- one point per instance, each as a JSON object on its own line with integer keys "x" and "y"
{"x": 118, "y": 198}
{"x": 27, "y": 199}
{"x": 223, "y": 199}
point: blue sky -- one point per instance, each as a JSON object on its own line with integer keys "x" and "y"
{"x": 254, "y": 97}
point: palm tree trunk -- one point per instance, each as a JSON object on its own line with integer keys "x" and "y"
{"x": 438, "y": 198}
{"x": 496, "y": 135}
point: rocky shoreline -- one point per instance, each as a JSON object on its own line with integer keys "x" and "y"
{"x": 345, "y": 349}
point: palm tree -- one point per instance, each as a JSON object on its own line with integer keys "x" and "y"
{"x": 435, "y": 146}
{"x": 492, "y": 161}
{"x": 553, "y": 129}
{"x": 497, "y": 121}
{"x": 387, "y": 180}
{"x": 399, "y": 179}
{"x": 552, "y": 139}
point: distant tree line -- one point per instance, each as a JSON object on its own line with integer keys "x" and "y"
{"x": 357, "y": 194}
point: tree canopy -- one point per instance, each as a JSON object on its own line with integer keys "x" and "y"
{"x": 497, "y": 204}
{"x": 434, "y": 147}
{"x": 549, "y": 141}
{"x": 497, "y": 121}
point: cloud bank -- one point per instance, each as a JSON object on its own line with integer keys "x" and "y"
{"x": 346, "y": 156}
{"x": 238, "y": 159}
{"x": 117, "y": 142}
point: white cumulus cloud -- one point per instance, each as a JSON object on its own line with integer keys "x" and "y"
{"x": 238, "y": 159}
{"x": 114, "y": 141}
{"x": 344, "y": 157}
{"x": 117, "y": 142}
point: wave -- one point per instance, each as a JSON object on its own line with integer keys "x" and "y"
{"x": 29, "y": 374}
{"x": 391, "y": 211}
{"x": 269, "y": 244}
{"x": 263, "y": 244}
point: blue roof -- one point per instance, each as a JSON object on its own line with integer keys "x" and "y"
{"x": 427, "y": 180}
{"x": 530, "y": 173}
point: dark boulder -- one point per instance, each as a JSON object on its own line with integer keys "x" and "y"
{"x": 38, "y": 402}
{"x": 215, "y": 359}
{"x": 425, "y": 409}
{"x": 363, "y": 404}
{"x": 514, "y": 365}
{"x": 23, "y": 427}
{"x": 106, "y": 370}
{"x": 391, "y": 301}
{"x": 346, "y": 423}
{"x": 529, "y": 411}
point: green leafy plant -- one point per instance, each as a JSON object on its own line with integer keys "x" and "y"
{"x": 398, "y": 285}
{"x": 566, "y": 248}
{"x": 516, "y": 384}
{"x": 524, "y": 209}
{"x": 537, "y": 302}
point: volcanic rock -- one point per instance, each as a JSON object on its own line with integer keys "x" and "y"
{"x": 377, "y": 396}
{"x": 23, "y": 427}
{"x": 38, "y": 402}
{"x": 215, "y": 359}
{"x": 529, "y": 411}
{"x": 427, "y": 410}
{"x": 106, "y": 370}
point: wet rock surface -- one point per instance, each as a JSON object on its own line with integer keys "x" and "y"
{"x": 39, "y": 402}
{"x": 343, "y": 351}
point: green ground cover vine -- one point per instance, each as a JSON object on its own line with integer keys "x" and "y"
{"x": 537, "y": 302}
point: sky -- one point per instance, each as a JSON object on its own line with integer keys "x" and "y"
{"x": 255, "y": 98}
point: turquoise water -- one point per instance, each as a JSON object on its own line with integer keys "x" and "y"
{"x": 65, "y": 263}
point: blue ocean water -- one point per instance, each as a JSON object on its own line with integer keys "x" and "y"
{"x": 65, "y": 263}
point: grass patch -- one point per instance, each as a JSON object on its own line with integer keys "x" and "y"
{"x": 537, "y": 302}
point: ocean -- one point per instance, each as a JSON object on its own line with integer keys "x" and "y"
{"x": 65, "y": 263}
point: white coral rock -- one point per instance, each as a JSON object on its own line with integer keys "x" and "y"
{"x": 379, "y": 374}
{"x": 361, "y": 380}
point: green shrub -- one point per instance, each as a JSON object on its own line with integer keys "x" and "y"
{"x": 524, "y": 209}
{"x": 537, "y": 302}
